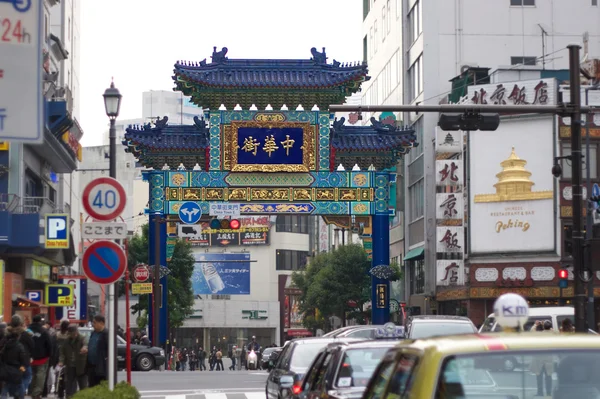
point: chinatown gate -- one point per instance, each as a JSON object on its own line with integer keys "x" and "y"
{"x": 273, "y": 162}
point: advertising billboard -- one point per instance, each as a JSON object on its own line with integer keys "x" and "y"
{"x": 511, "y": 193}
{"x": 221, "y": 274}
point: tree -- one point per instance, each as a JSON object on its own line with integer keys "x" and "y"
{"x": 180, "y": 296}
{"x": 337, "y": 283}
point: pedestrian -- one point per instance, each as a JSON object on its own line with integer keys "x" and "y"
{"x": 52, "y": 362}
{"x": 543, "y": 365}
{"x": 59, "y": 373}
{"x": 41, "y": 353}
{"x": 212, "y": 358}
{"x": 567, "y": 326}
{"x": 202, "y": 359}
{"x": 243, "y": 356}
{"x": 232, "y": 357}
{"x": 219, "y": 356}
{"x": 26, "y": 338}
{"x": 97, "y": 355}
{"x": 74, "y": 357}
{"x": 16, "y": 357}
{"x": 144, "y": 340}
{"x": 179, "y": 359}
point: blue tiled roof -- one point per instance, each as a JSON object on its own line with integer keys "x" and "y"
{"x": 268, "y": 81}
{"x": 377, "y": 137}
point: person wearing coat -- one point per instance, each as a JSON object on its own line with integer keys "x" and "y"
{"x": 97, "y": 358}
{"x": 16, "y": 357}
{"x": 73, "y": 355}
{"x": 542, "y": 365}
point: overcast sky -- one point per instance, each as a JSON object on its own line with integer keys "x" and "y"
{"x": 138, "y": 41}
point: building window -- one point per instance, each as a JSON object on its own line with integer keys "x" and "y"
{"x": 417, "y": 283}
{"x": 414, "y": 22}
{"x": 383, "y": 24}
{"x": 388, "y": 24}
{"x": 366, "y": 8}
{"x": 292, "y": 224}
{"x": 371, "y": 43}
{"x": 416, "y": 194}
{"x": 376, "y": 36}
{"x": 365, "y": 51}
{"x": 594, "y": 2}
{"x": 566, "y": 164}
{"x": 418, "y": 150}
{"x": 415, "y": 78}
{"x": 523, "y": 60}
{"x": 519, "y": 3}
{"x": 290, "y": 260}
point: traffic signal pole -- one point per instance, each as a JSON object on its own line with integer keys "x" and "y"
{"x": 572, "y": 110}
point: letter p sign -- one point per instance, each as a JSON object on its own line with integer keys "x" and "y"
{"x": 56, "y": 227}
{"x": 57, "y": 231}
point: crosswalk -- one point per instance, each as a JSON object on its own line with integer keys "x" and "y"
{"x": 204, "y": 394}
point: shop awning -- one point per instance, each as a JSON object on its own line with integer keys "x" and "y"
{"x": 415, "y": 254}
{"x": 23, "y": 302}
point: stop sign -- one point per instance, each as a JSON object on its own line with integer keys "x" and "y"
{"x": 141, "y": 273}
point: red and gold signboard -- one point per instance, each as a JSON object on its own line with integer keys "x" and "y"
{"x": 73, "y": 144}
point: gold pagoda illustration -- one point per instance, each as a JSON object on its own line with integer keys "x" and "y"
{"x": 514, "y": 183}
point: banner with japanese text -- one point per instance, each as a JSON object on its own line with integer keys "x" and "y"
{"x": 221, "y": 274}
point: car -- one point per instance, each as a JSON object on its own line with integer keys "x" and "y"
{"x": 455, "y": 367}
{"x": 266, "y": 362}
{"x": 343, "y": 369}
{"x": 143, "y": 358}
{"x": 297, "y": 355}
{"x": 419, "y": 327}
{"x": 360, "y": 331}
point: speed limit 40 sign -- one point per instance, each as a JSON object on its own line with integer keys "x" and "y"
{"x": 104, "y": 199}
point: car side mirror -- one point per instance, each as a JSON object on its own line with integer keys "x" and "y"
{"x": 274, "y": 356}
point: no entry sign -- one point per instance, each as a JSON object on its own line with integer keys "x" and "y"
{"x": 141, "y": 273}
{"x": 104, "y": 199}
{"x": 104, "y": 262}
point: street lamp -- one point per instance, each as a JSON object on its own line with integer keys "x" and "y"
{"x": 112, "y": 105}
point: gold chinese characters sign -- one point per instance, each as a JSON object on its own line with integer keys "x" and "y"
{"x": 352, "y": 194}
{"x": 269, "y": 146}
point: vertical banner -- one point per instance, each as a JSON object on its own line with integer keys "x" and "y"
{"x": 77, "y": 313}
{"x": 450, "y": 208}
{"x": 323, "y": 235}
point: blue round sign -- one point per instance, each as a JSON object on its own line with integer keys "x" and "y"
{"x": 190, "y": 213}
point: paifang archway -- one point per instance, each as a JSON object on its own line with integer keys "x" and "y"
{"x": 272, "y": 162}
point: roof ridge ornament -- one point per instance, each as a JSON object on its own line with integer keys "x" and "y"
{"x": 199, "y": 122}
{"x": 219, "y": 56}
{"x": 319, "y": 58}
{"x": 161, "y": 123}
{"x": 382, "y": 127}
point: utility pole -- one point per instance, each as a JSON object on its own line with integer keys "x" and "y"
{"x": 474, "y": 115}
{"x": 576, "y": 161}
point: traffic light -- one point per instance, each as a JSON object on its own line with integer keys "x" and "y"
{"x": 563, "y": 278}
{"x": 469, "y": 121}
{"x": 225, "y": 224}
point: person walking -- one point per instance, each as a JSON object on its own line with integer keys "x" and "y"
{"x": 74, "y": 356}
{"x": 219, "y": 357}
{"x": 15, "y": 357}
{"x": 59, "y": 375}
{"x": 97, "y": 355}
{"x": 42, "y": 350}
{"x": 202, "y": 359}
{"x": 52, "y": 362}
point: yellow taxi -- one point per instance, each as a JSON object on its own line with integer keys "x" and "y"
{"x": 463, "y": 367}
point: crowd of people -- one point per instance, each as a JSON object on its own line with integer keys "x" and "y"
{"x": 185, "y": 359}
{"x": 40, "y": 359}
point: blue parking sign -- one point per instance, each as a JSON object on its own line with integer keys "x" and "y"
{"x": 57, "y": 231}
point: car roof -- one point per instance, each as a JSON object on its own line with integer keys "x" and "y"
{"x": 549, "y": 311}
{"x": 318, "y": 340}
{"x": 476, "y": 343}
{"x": 440, "y": 318}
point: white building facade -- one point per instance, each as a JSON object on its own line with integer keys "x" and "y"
{"x": 439, "y": 40}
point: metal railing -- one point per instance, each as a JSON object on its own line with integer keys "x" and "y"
{"x": 44, "y": 204}
{"x": 9, "y": 202}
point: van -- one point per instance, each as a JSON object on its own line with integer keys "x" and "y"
{"x": 555, "y": 314}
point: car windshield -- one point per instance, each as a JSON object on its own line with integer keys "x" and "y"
{"x": 488, "y": 324}
{"x": 358, "y": 366}
{"x": 432, "y": 329}
{"x": 552, "y": 373}
{"x": 304, "y": 354}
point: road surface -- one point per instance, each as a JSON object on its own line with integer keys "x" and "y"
{"x": 199, "y": 384}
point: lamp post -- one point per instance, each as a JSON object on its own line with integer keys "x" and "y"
{"x": 112, "y": 105}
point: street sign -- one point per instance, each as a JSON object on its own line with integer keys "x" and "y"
{"x": 190, "y": 212}
{"x": 22, "y": 115}
{"x": 224, "y": 209}
{"x": 141, "y": 288}
{"x": 187, "y": 231}
{"x": 57, "y": 231}
{"x": 59, "y": 295}
{"x": 34, "y": 295}
{"x": 104, "y": 231}
{"x": 141, "y": 273}
{"x": 104, "y": 199}
{"x": 104, "y": 262}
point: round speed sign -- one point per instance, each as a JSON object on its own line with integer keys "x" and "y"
{"x": 104, "y": 199}
{"x": 141, "y": 273}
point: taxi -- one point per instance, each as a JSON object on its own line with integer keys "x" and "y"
{"x": 343, "y": 369}
{"x": 551, "y": 365}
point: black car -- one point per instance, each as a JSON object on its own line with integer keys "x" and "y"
{"x": 143, "y": 358}
{"x": 294, "y": 360}
{"x": 266, "y": 361}
{"x": 343, "y": 370}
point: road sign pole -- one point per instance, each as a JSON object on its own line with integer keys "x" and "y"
{"x": 112, "y": 338}
{"x": 156, "y": 294}
{"x": 128, "y": 330}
